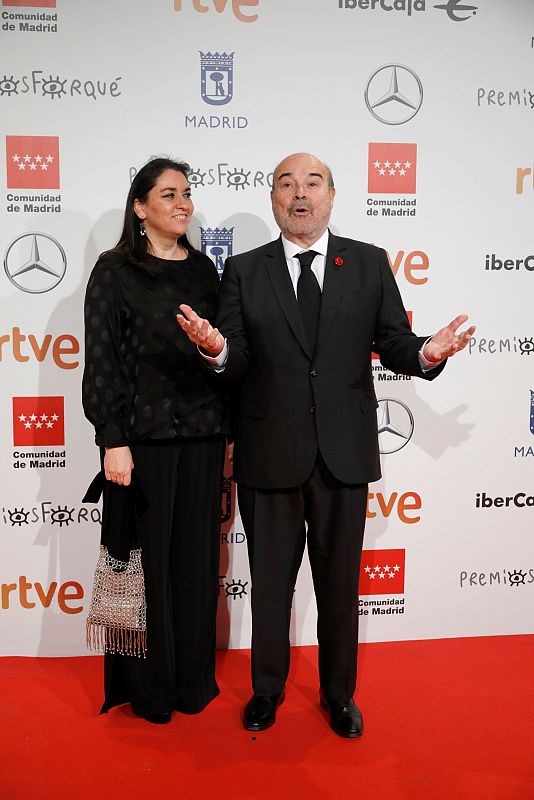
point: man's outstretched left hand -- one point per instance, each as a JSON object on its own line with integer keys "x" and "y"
{"x": 446, "y": 342}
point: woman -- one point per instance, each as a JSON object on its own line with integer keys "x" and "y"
{"x": 157, "y": 411}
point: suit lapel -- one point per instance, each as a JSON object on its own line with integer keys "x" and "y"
{"x": 278, "y": 272}
{"x": 335, "y": 276}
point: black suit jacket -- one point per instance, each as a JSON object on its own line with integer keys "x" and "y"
{"x": 290, "y": 401}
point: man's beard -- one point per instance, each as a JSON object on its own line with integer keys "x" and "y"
{"x": 302, "y": 225}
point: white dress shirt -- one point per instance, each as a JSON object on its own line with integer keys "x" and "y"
{"x": 291, "y": 251}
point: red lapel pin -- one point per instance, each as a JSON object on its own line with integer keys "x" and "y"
{"x": 338, "y": 261}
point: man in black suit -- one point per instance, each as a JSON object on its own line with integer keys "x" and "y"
{"x": 296, "y": 331}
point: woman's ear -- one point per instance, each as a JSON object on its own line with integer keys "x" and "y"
{"x": 139, "y": 209}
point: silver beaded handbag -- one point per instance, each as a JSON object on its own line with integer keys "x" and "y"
{"x": 116, "y": 622}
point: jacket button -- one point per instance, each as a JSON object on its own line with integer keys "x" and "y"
{"x": 313, "y": 373}
{"x": 312, "y": 409}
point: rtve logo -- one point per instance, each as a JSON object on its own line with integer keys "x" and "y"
{"x": 59, "y": 348}
{"x": 221, "y": 5}
{"x": 20, "y": 593}
{"x": 409, "y": 263}
{"x": 520, "y": 175}
{"x": 412, "y": 262}
{"x": 405, "y": 506}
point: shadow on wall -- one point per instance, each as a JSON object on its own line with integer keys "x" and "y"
{"x": 434, "y": 433}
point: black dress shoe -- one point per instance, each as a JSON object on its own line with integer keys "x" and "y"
{"x": 160, "y": 718}
{"x": 260, "y": 711}
{"x": 345, "y": 717}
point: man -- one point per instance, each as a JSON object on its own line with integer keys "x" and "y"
{"x": 298, "y": 337}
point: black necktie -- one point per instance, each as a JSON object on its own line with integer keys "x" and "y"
{"x": 308, "y": 296}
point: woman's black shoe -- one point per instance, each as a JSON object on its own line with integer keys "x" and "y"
{"x": 158, "y": 719}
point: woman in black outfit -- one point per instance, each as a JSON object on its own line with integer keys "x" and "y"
{"x": 157, "y": 410}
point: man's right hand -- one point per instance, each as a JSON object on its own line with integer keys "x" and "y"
{"x": 118, "y": 465}
{"x": 200, "y": 331}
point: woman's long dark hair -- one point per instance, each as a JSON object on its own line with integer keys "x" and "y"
{"x": 131, "y": 244}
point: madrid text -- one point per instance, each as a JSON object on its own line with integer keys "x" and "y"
{"x": 37, "y": 23}
{"x": 33, "y": 203}
{"x": 47, "y": 459}
{"x": 380, "y": 607}
{"x": 391, "y": 208}
{"x": 214, "y": 121}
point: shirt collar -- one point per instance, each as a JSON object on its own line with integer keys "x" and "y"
{"x": 320, "y": 246}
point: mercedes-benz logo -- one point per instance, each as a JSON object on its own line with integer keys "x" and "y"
{"x": 384, "y": 99}
{"x": 35, "y": 262}
{"x": 395, "y": 425}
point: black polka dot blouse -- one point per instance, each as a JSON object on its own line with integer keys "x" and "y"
{"x": 143, "y": 378}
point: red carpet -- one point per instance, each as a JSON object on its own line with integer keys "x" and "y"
{"x": 444, "y": 719}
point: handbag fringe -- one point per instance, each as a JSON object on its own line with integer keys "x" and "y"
{"x": 103, "y": 638}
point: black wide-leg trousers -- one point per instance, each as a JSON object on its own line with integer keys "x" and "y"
{"x": 274, "y": 523}
{"x": 179, "y": 535}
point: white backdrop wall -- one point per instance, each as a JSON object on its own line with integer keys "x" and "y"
{"x": 89, "y": 90}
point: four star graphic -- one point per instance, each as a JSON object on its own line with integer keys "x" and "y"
{"x": 381, "y": 572}
{"x": 33, "y": 162}
{"x": 43, "y": 421}
{"x": 384, "y": 167}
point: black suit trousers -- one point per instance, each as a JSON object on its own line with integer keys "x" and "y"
{"x": 274, "y": 521}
